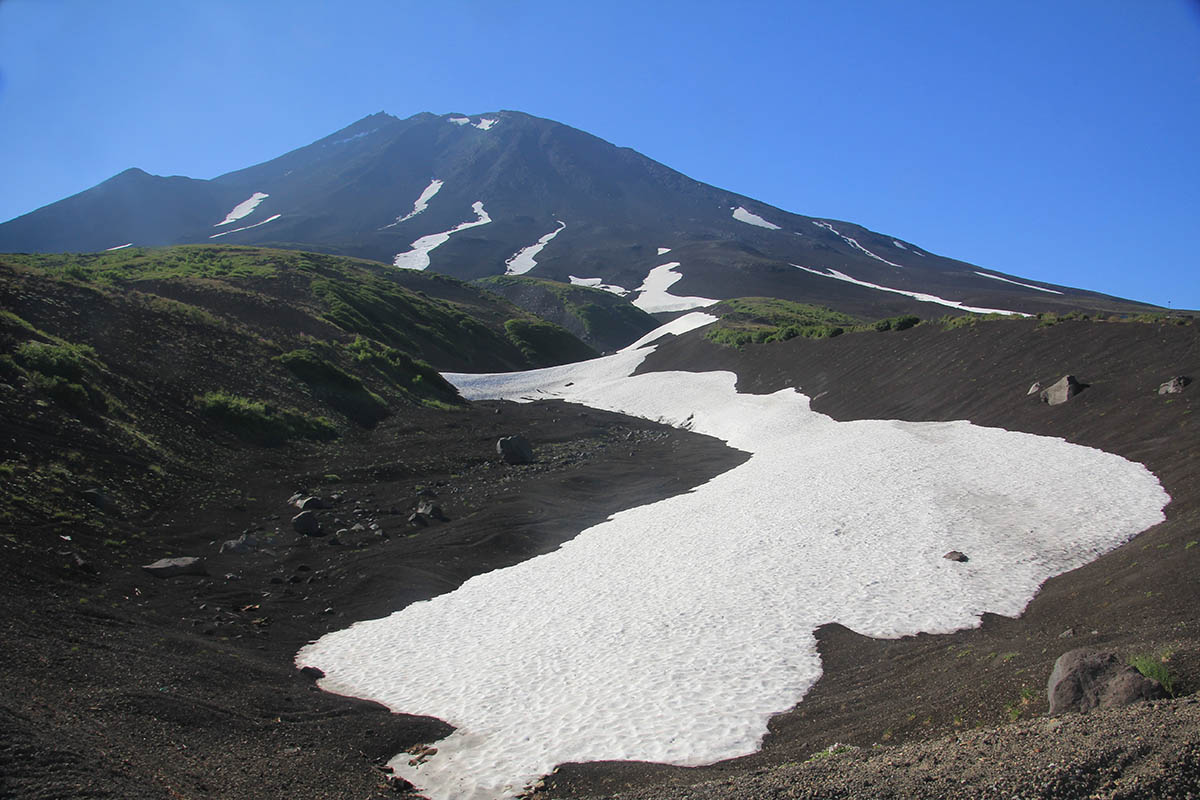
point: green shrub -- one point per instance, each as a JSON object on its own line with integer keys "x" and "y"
{"x": 1155, "y": 668}
{"x": 544, "y": 343}
{"x": 262, "y": 423}
{"x": 332, "y": 385}
{"x": 901, "y": 323}
{"x": 56, "y": 360}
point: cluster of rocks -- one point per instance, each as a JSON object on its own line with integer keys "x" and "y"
{"x": 1068, "y": 386}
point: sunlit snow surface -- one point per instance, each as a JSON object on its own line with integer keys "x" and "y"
{"x": 420, "y": 204}
{"x": 662, "y": 251}
{"x": 598, "y": 283}
{"x": 523, "y": 260}
{"x": 750, "y": 218}
{"x": 485, "y": 123}
{"x": 673, "y": 631}
{"x": 460, "y": 121}
{"x": 655, "y": 297}
{"x": 676, "y": 327}
{"x": 119, "y": 247}
{"x": 922, "y": 296}
{"x": 418, "y": 256}
{"x": 246, "y": 227}
{"x": 854, "y": 243}
{"x": 243, "y": 209}
{"x": 1017, "y": 283}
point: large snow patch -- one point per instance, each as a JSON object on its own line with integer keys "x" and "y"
{"x": 524, "y": 259}
{"x": 418, "y": 256}
{"x": 673, "y": 631}
{"x": 655, "y": 296}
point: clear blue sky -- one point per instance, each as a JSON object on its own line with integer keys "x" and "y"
{"x": 1052, "y": 139}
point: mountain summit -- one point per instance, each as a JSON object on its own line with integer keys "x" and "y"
{"x": 507, "y": 193}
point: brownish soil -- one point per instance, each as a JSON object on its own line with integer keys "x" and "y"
{"x": 1142, "y": 598}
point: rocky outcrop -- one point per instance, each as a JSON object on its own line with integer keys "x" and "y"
{"x": 1061, "y": 391}
{"x": 1084, "y": 679}
{"x": 515, "y": 450}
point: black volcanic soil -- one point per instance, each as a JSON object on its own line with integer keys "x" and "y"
{"x": 941, "y": 695}
{"x": 118, "y": 684}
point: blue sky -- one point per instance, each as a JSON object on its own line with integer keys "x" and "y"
{"x": 1052, "y": 140}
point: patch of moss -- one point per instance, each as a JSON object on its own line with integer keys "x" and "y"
{"x": 334, "y": 386}
{"x": 261, "y": 422}
{"x": 545, "y": 344}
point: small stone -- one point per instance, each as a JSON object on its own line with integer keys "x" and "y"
{"x": 312, "y": 672}
{"x": 169, "y": 567}
{"x": 955, "y": 555}
{"x": 1034, "y": 389}
{"x": 1175, "y": 385}
{"x": 1063, "y": 390}
{"x": 1067, "y": 634}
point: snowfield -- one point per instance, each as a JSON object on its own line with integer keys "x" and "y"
{"x": 655, "y": 296}
{"x": 420, "y": 204}
{"x": 418, "y": 256}
{"x": 750, "y": 218}
{"x": 928, "y": 298}
{"x": 854, "y": 243}
{"x": 246, "y": 227}
{"x": 243, "y": 209}
{"x": 673, "y": 631}
{"x": 1018, "y": 283}
{"x": 523, "y": 260}
{"x": 598, "y": 283}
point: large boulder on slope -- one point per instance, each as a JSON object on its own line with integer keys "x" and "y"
{"x": 1061, "y": 391}
{"x": 1084, "y": 679}
{"x": 515, "y": 450}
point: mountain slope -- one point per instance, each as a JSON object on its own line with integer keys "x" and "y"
{"x": 511, "y": 193}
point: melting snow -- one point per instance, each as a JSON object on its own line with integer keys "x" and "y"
{"x": 485, "y": 123}
{"x": 655, "y": 298}
{"x": 676, "y": 327}
{"x": 421, "y": 203}
{"x": 246, "y": 228}
{"x": 243, "y": 208}
{"x": 522, "y": 261}
{"x": 1018, "y": 283}
{"x": 742, "y": 215}
{"x": 459, "y": 120}
{"x": 355, "y": 136}
{"x": 598, "y": 283}
{"x": 928, "y": 298}
{"x": 418, "y": 256}
{"x": 673, "y": 631}
{"x": 120, "y": 246}
{"x": 662, "y": 251}
{"x": 854, "y": 243}
{"x": 899, "y": 244}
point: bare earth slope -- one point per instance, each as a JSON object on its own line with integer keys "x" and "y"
{"x": 1141, "y": 598}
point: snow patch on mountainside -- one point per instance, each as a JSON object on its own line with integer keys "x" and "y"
{"x": 485, "y": 123}
{"x": 243, "y": 209}
{"x": 355, "y": 136}
{"x": 247, "y": 227}
{"x": 460, "y": 121}
{"x": 662, "y": 251}
{"x": 750, "y": 218}
{"x": 655, "y": 298}
{"x": 673, "y": 631}
{"x": 1017, "y": 283}
{"x": 598, "y": 283}
{"x": 119, "y": 247}
{"x": 927, "y": 298}
{"x": 901, "y": 245}
{"x": 420, "y": 204}
{"x": 676, "y": 327}
{"x": 418, "y": 256}
{"x": 854, "y": 243}
{"x": 523, "y": 260}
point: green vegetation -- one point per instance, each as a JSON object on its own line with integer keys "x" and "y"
{"x": 544, "y": 343}
{"x": 410, "y": 376}
{"x": 1156, "y": 668}
{"x": 334, "y": 386}
{"x": 901, "y": 323}
{"x": 758, "y": 320}
{"x": 261, "y": 423}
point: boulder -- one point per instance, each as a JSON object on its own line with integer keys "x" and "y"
{"x": 1063, "y": 390}
{"x": 313, "y": 504}
{"x": 1084, "y": 679}
{"x": 169, "y": 567}
{"x": 306, "y": 523}
{"x": 101, "y": 501}
{"x": 515, "y": 450}
{"x": 1175, "y": 385}
{"x": 955, "y": 555}
{"x": 432, "y": 510}
{"x": 242, "y": 544}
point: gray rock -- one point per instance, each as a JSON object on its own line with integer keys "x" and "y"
{"x": 306, "y": 523}
{"x": 1034, "y": 389}
{"x": 242, "y": 544}
{"x": 955, "y": 555}
{"x": 1063, "y": 390}
{"x": 432, "y": 510}
{"x": 417, "y": 518}
{"x": 169, "y": 567}
{"x": 101, "y": 501}
{"x": 1084, "y": 679}
{"x": 515, "y": 450}
{"x": 1175, "y": 385}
